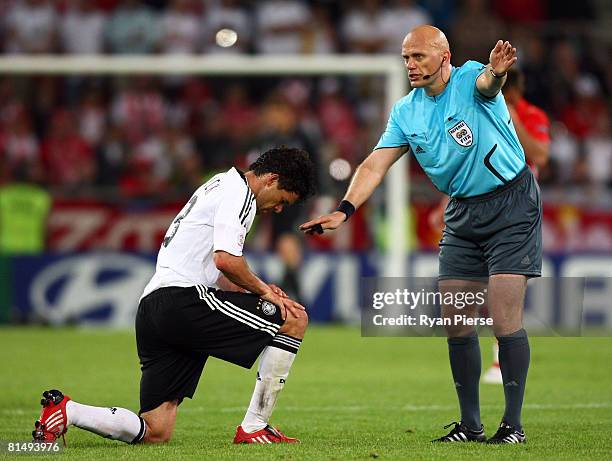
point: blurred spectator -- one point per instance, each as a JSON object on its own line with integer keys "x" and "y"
{"x": 563, "y": 152}
{"x": 281, "y": 25}
{"x": 133, "y": 29}
{"x": 45, "y": 100}
{"x": 474, "y": 32}
{"x": 530, "y": 122}
{"x": 533, "y": 55}
{"x": 238, "y": 116}
{"x": 195, "y": 96}
{"x": 111, "y": 157}
{"x": 214, "y": 144}
{"x": 337, "y": 118}
{"x": 226, "y": 14}
{"x": 582, "y": 116}
{"x": 67, "y": 158}
{"x": 442, "y": 11}
{"x": 187, "y": 165}
{"x": 571, "y": 12}
{"x": 363, "y": 28}
{"x": 320, "y": 35}
{"x": 598, "y": 152}
{"x": 402, "y": 17}
{"x": 180, "y": 28}
{"x": 561, "y": 83}
{"x": 523, "y": 11}
{"x": 153, "y": 154}
{"x": 82, "y": 28}
{"x": 139, "y": 180}
{"x": 139, "y": 109}
{"x": 31, "y": 27}
{"x": 92, "y": 115}
{"x": 19, "y": 149}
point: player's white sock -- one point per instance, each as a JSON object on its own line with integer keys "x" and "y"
{"x": 112, "y": 423}
{"x": 274, "y": 365}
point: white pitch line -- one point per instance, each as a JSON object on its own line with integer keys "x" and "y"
{"x": 414, "y": 408}
{"x": 364, "y": 408}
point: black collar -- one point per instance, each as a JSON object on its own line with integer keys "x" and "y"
{"x": 242, "y": 176}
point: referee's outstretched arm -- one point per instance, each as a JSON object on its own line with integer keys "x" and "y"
{"x": 367, "y": 177}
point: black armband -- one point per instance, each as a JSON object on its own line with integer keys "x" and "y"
{"x": 347, "y": 208}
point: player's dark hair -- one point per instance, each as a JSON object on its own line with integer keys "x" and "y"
{"x": 515, "y": 79}
{"x": 293, "y": 166}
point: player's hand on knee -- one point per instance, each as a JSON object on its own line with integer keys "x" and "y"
{"x": 277, "y": 290}
{"x": 276, "y": 300}
{"x": 295, "y": 308}
{"x": 326, "y": 222}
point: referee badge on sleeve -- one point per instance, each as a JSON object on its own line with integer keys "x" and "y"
{"x": 462, "y": 134}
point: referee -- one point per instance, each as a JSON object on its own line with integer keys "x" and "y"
{"x": 204, "y": 301}
{"x": 458, "y": 127}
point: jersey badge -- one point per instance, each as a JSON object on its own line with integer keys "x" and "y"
{"x": 462, "y": 134}
{"x": 268, "y": 308}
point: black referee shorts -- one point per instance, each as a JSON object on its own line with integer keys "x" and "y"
{"x": 177, "y": 329}
{"x": 495, "y": 233}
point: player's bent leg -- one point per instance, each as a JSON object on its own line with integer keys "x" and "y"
{"x": 59, "y": 412}
{"x": 506, "y": 299}
{"x": 274, "y": 365}
{"x": 464, "y": 356}
{"x": 295, "y": 326}
{"x": 160, "y": 422}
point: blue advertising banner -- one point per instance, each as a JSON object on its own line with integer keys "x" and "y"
{"x": 103, "y": 288}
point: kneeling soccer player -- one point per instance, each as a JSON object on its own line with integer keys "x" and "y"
{"x": 182, "y": 320}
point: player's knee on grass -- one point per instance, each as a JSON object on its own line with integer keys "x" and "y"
{"x": 160, "y": 423}
{"x": 295, "y": 326}
{"x": 157, "y": 435}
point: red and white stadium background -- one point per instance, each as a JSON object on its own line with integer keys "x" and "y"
{"x": 81, "y": 226}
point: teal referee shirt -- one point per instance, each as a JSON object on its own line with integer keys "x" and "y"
{"x": 465, "y": 142}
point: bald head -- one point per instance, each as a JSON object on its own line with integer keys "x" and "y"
{"x": 427, "y": 36}
{"x": 427, "y": 58}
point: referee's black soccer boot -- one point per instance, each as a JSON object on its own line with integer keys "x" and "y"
{"x": 508, "y": 434}
{"x": 461, "y": 433}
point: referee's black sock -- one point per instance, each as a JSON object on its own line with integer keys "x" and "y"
{"x": 464, "y": 354}
{"x": 514, "y": 356}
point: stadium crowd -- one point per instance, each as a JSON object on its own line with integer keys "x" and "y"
{"x": 154, "y": 136}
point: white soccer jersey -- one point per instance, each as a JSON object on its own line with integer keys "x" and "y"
{"x": 217, "y": 217}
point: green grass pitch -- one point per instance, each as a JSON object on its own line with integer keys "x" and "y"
{"x": 347, "y": 397}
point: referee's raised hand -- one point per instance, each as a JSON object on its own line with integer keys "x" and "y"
{"x": 502, "y": 57}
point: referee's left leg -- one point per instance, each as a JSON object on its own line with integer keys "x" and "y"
{"x": 506, "y": 300}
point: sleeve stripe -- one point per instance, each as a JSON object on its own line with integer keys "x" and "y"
{"x": 243, "y": 220}
{"x": 246, "y": 201}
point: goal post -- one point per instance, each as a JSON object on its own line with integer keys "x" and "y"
{"x": 397, "y": 180}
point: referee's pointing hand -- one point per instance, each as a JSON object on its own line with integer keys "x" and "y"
{"x": 326, "y": 222}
